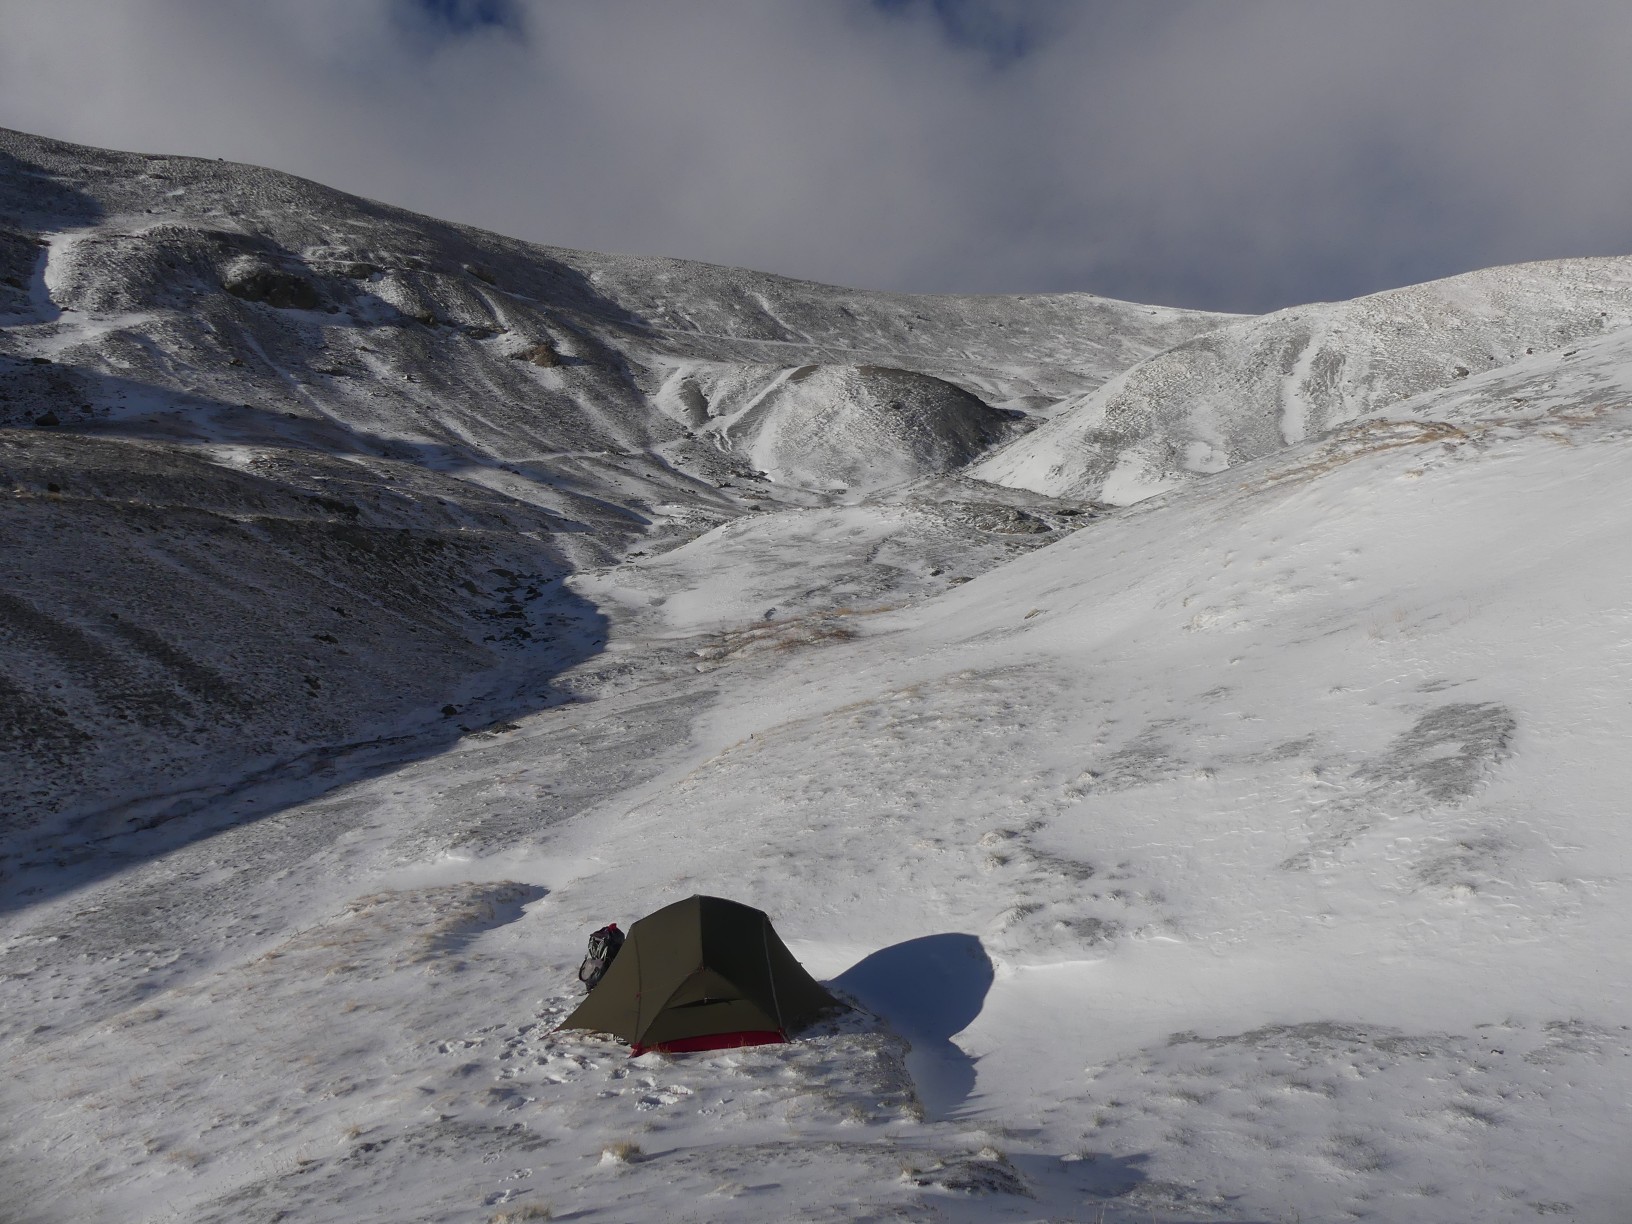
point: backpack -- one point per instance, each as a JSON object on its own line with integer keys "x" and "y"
{"x": 603, "y": 948}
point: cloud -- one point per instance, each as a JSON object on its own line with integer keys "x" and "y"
{"x": 1239, "y": 156}
{"x": 1003, "y": 30}
{"x": 463, "y": 16}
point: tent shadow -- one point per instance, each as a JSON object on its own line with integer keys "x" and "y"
{"x": 928, "y": 990}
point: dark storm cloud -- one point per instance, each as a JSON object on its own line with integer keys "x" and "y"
{"x": 1236, "y": 156}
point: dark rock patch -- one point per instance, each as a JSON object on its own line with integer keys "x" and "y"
{"x": 254, "y": 281}
{"x": 1448, "y": 750}
{"x": 540, "y": 354}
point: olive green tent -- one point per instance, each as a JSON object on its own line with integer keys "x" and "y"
{"x": 702, "y": 974}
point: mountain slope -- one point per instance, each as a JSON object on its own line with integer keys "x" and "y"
{"x": 1259, "y": 384}
{"x": 245, "y": 393}
{"x": 834, "y": 428}
{"x": 136, "y": 236}
{"x": 1254, "y": 853}
{"x": 173, "y": 622}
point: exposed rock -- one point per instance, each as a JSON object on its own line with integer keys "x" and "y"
{"x": 256, "y": 281}
{"x": 540, "y": 354}
{"x": 997, "y": 518}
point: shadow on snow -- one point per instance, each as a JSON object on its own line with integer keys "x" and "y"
{"x": 928, "y": 990}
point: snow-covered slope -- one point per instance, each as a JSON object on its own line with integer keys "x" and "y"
{"x": 174, "y": 621}
{"x": 1259, "y": 384}
{"x": 840, "y": 429}
{"x": 186, "y": 266}
{"x": 1253, "y": 853}
{"x": 250, "y": 400}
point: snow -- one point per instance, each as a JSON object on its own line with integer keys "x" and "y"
{"x": 1257, "y": 384}
{"x": 840, "y": 429}
{"x": 1254, "y": 852}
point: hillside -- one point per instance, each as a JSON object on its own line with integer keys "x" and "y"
{"x": 1256, "y": 385}
{"x": 406, "y": 432}
{"x": 1254, "y": 852}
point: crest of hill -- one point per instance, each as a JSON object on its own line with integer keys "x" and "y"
{"x": 210, "y": 302}
{"x": 834, "y": 428}
{"x": 1262, "y": 383}
{"x": 1025, "y": 347}
{"x": 1015, "y": 350}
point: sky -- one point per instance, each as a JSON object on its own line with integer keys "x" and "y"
{"x": 1230, "y": 156}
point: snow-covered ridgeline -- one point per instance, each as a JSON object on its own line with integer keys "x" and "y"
{"x": 1258, "y": 384}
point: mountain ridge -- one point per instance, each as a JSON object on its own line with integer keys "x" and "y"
{"x": 1257, "y": 384}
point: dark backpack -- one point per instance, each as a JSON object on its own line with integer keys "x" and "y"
{"x": 603, "y": 949}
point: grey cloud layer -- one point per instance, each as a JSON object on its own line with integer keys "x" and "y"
{"x": 1238, "y": 156}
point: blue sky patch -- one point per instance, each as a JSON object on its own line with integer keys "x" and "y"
{"x": 457, "y": 17}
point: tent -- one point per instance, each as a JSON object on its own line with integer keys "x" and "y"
{"x": 702, "y": 974}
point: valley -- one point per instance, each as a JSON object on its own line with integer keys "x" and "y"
{"x": 1192, "y": 740}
